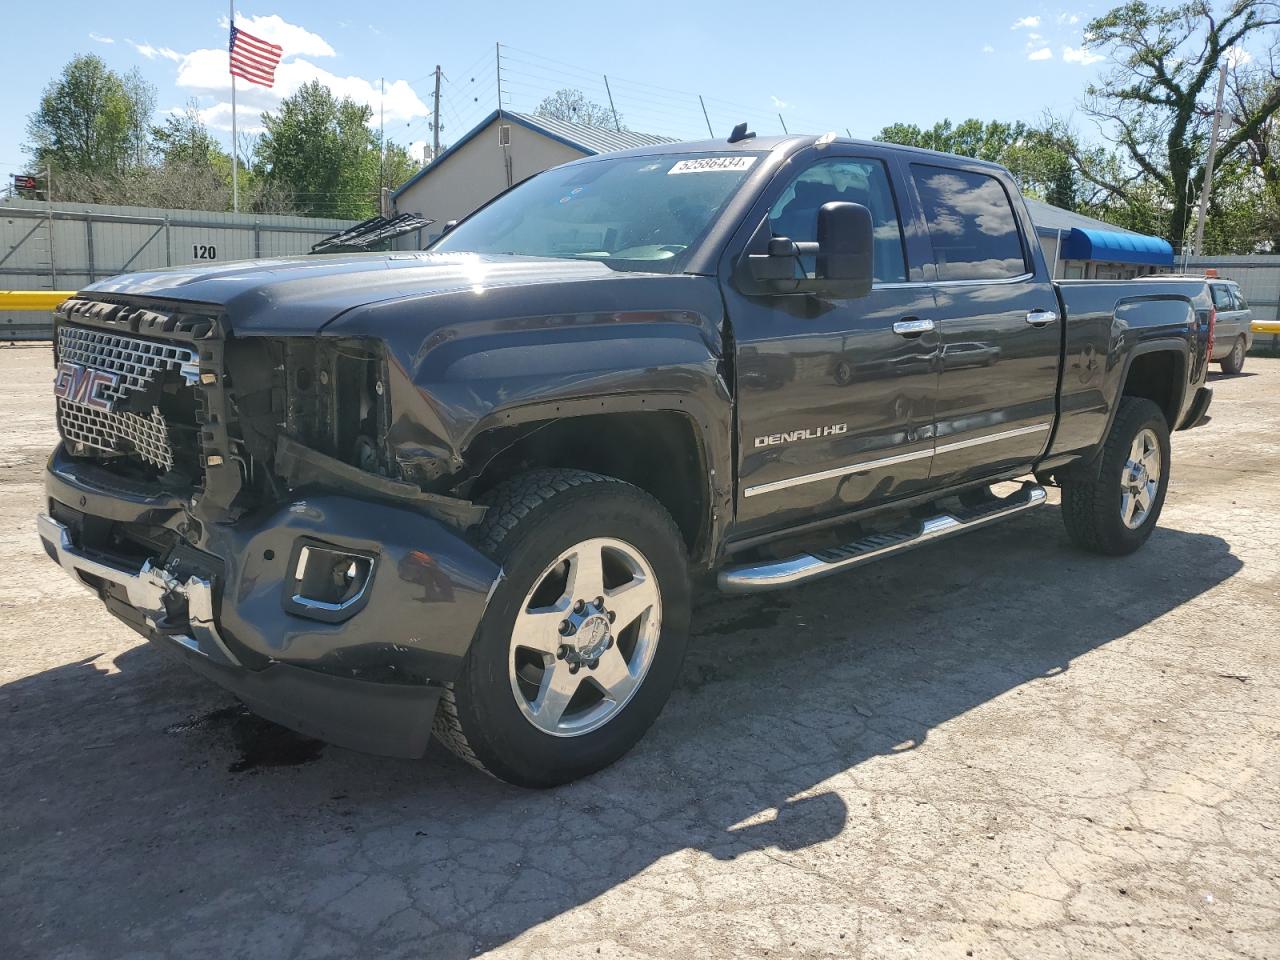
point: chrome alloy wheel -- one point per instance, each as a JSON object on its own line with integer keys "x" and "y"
{"x": 1140, "y": 479}
{"x": 585, "y": 637}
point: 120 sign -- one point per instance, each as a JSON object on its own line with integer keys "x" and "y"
{"x": 204, "y": 251}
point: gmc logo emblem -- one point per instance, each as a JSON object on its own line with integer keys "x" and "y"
{"x": 81, "y": 384}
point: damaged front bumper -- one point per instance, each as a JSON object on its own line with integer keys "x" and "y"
{"x": 367, "y": 676}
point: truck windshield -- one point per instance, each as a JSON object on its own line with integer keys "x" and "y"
{"x": 631, "y": 213}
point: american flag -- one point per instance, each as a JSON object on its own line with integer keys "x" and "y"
{"x": 253, "y": 59}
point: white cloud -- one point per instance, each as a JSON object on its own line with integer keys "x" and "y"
{"x": 1081, "y": 56}
{"x": 1238, "y": 56}
{"x": 778, "y": 102}
{"x": 1069, "y": 19}
{"x": 150, "y": 52}
{"x": 1044, "y": 53}
{"x": 1026, "y": 23}
{"x": 988, "y": 48}
{"x": 93, "y": 36}
{"x": 297, "y": 41}
{"x": 1033, "y": 37}
{"x": 205, "y": 71}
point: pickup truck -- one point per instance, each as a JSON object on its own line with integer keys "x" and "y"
{"x": 471, "y": 488}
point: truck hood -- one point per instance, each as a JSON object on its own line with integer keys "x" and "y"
{"x": 301, "y": 295}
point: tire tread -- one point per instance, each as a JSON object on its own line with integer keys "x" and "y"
{"x": 1087, "y": 504}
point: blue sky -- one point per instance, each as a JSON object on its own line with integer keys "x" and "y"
{"x": 823, "y": 66}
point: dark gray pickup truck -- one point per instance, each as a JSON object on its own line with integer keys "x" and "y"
{"x": 470, "y": 488}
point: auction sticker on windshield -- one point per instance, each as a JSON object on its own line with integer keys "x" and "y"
{"x": 711, "y": 164}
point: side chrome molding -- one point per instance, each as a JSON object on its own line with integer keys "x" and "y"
{"x": 865, "y": 465}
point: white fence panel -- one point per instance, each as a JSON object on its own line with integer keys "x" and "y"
{"x": 69, "y": 246}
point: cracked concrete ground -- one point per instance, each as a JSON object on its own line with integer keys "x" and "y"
{"x": 994, "y": 747}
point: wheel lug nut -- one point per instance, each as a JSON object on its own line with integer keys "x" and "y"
{"x": 599, "y": 603}
{"x": 566, "y": 628}
{"x": 562, "y": 653}
{"x": 573, "y": 668}
{"x": 594, "y": 663}
{"x": 579, "y": 606}
{"x": 612, "y": 616}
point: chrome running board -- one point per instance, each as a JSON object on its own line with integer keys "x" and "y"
{"x": 773, "y": 574}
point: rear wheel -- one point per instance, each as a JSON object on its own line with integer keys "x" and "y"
{"x": 1115, "y": 512}
{"x": 1233, "y": 362}
{"x": 584, "y": 636}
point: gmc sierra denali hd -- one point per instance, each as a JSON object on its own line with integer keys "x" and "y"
{"x": 470, "y": 488}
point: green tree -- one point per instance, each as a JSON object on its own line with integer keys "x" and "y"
{"x": 91, "y": 120}
{"x": 397, "y": 166}
{"x": 1031, "y": 154}
{"x": 1156, "y": 103}
{"x": 573, "y": 106}
{"x": 183, "y": 139}
{"x": 322, "y": 151}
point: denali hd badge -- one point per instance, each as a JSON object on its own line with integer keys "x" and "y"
{"x": 792, "y": 436}
{"x": 83, "y": 385}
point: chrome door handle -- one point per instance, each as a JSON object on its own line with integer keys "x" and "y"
{"x": 912, "y": 328}
{"x": 1041, "y": 318}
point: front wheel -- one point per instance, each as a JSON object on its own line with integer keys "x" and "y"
{"x": 1233, "y": 362}
{"x": 1115, "y": 512}
{"x": 583, "y": 639}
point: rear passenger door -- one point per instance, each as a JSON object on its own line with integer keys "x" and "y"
{"x": 998, "y": 321}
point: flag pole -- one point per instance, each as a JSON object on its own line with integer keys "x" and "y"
{"x": 235, "y": 150}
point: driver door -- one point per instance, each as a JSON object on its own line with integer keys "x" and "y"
{"x": 835, "y": 396}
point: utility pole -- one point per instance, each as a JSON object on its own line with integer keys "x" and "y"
{"x": 710, "y": 133}
{"x": 616, "y": 125}
{"x": 435, "y": 118}
{"x": 382, "y": 136}
{"x": 497, "y": 61}
{"x": 1208, "y": 166}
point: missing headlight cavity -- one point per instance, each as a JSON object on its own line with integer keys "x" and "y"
{"x": 335, "y": 399}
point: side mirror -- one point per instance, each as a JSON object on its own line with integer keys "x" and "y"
{"x": 845, "y": 246}
{"x": 843, "y": 257}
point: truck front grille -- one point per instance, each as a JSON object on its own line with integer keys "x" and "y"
{"x": 123, "y": 396}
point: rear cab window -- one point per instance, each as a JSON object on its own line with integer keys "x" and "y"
{"x": 972, "y": 225}
{"x": 1222, "y": 297}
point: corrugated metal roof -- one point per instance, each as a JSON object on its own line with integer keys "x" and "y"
{"x": 590, "y": 139}
{"x": 1049, "y": 218}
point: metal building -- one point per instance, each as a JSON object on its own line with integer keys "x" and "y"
{"x": 503, "y": 149}
{"x": 1077, "y": 247}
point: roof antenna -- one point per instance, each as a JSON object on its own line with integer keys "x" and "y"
{"x": 740, "y": 132}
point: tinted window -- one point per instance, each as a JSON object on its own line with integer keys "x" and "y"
{"x": 1222, "y": 297}
{"x": 795, "y": 214}
{"x": 971, "y": 224}
{"x": 1241, "y": 302}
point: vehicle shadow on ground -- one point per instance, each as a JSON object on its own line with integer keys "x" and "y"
{"x": 146, "y": 813}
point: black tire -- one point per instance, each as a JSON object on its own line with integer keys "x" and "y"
{"x": 531, "y": 520}
{"x": 1091, "y": 507}
{"x": 1233, "y": 362}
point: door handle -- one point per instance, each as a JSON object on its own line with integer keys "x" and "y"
{"x": 1041, "y": 318}
{"x": 912, "y": 327}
